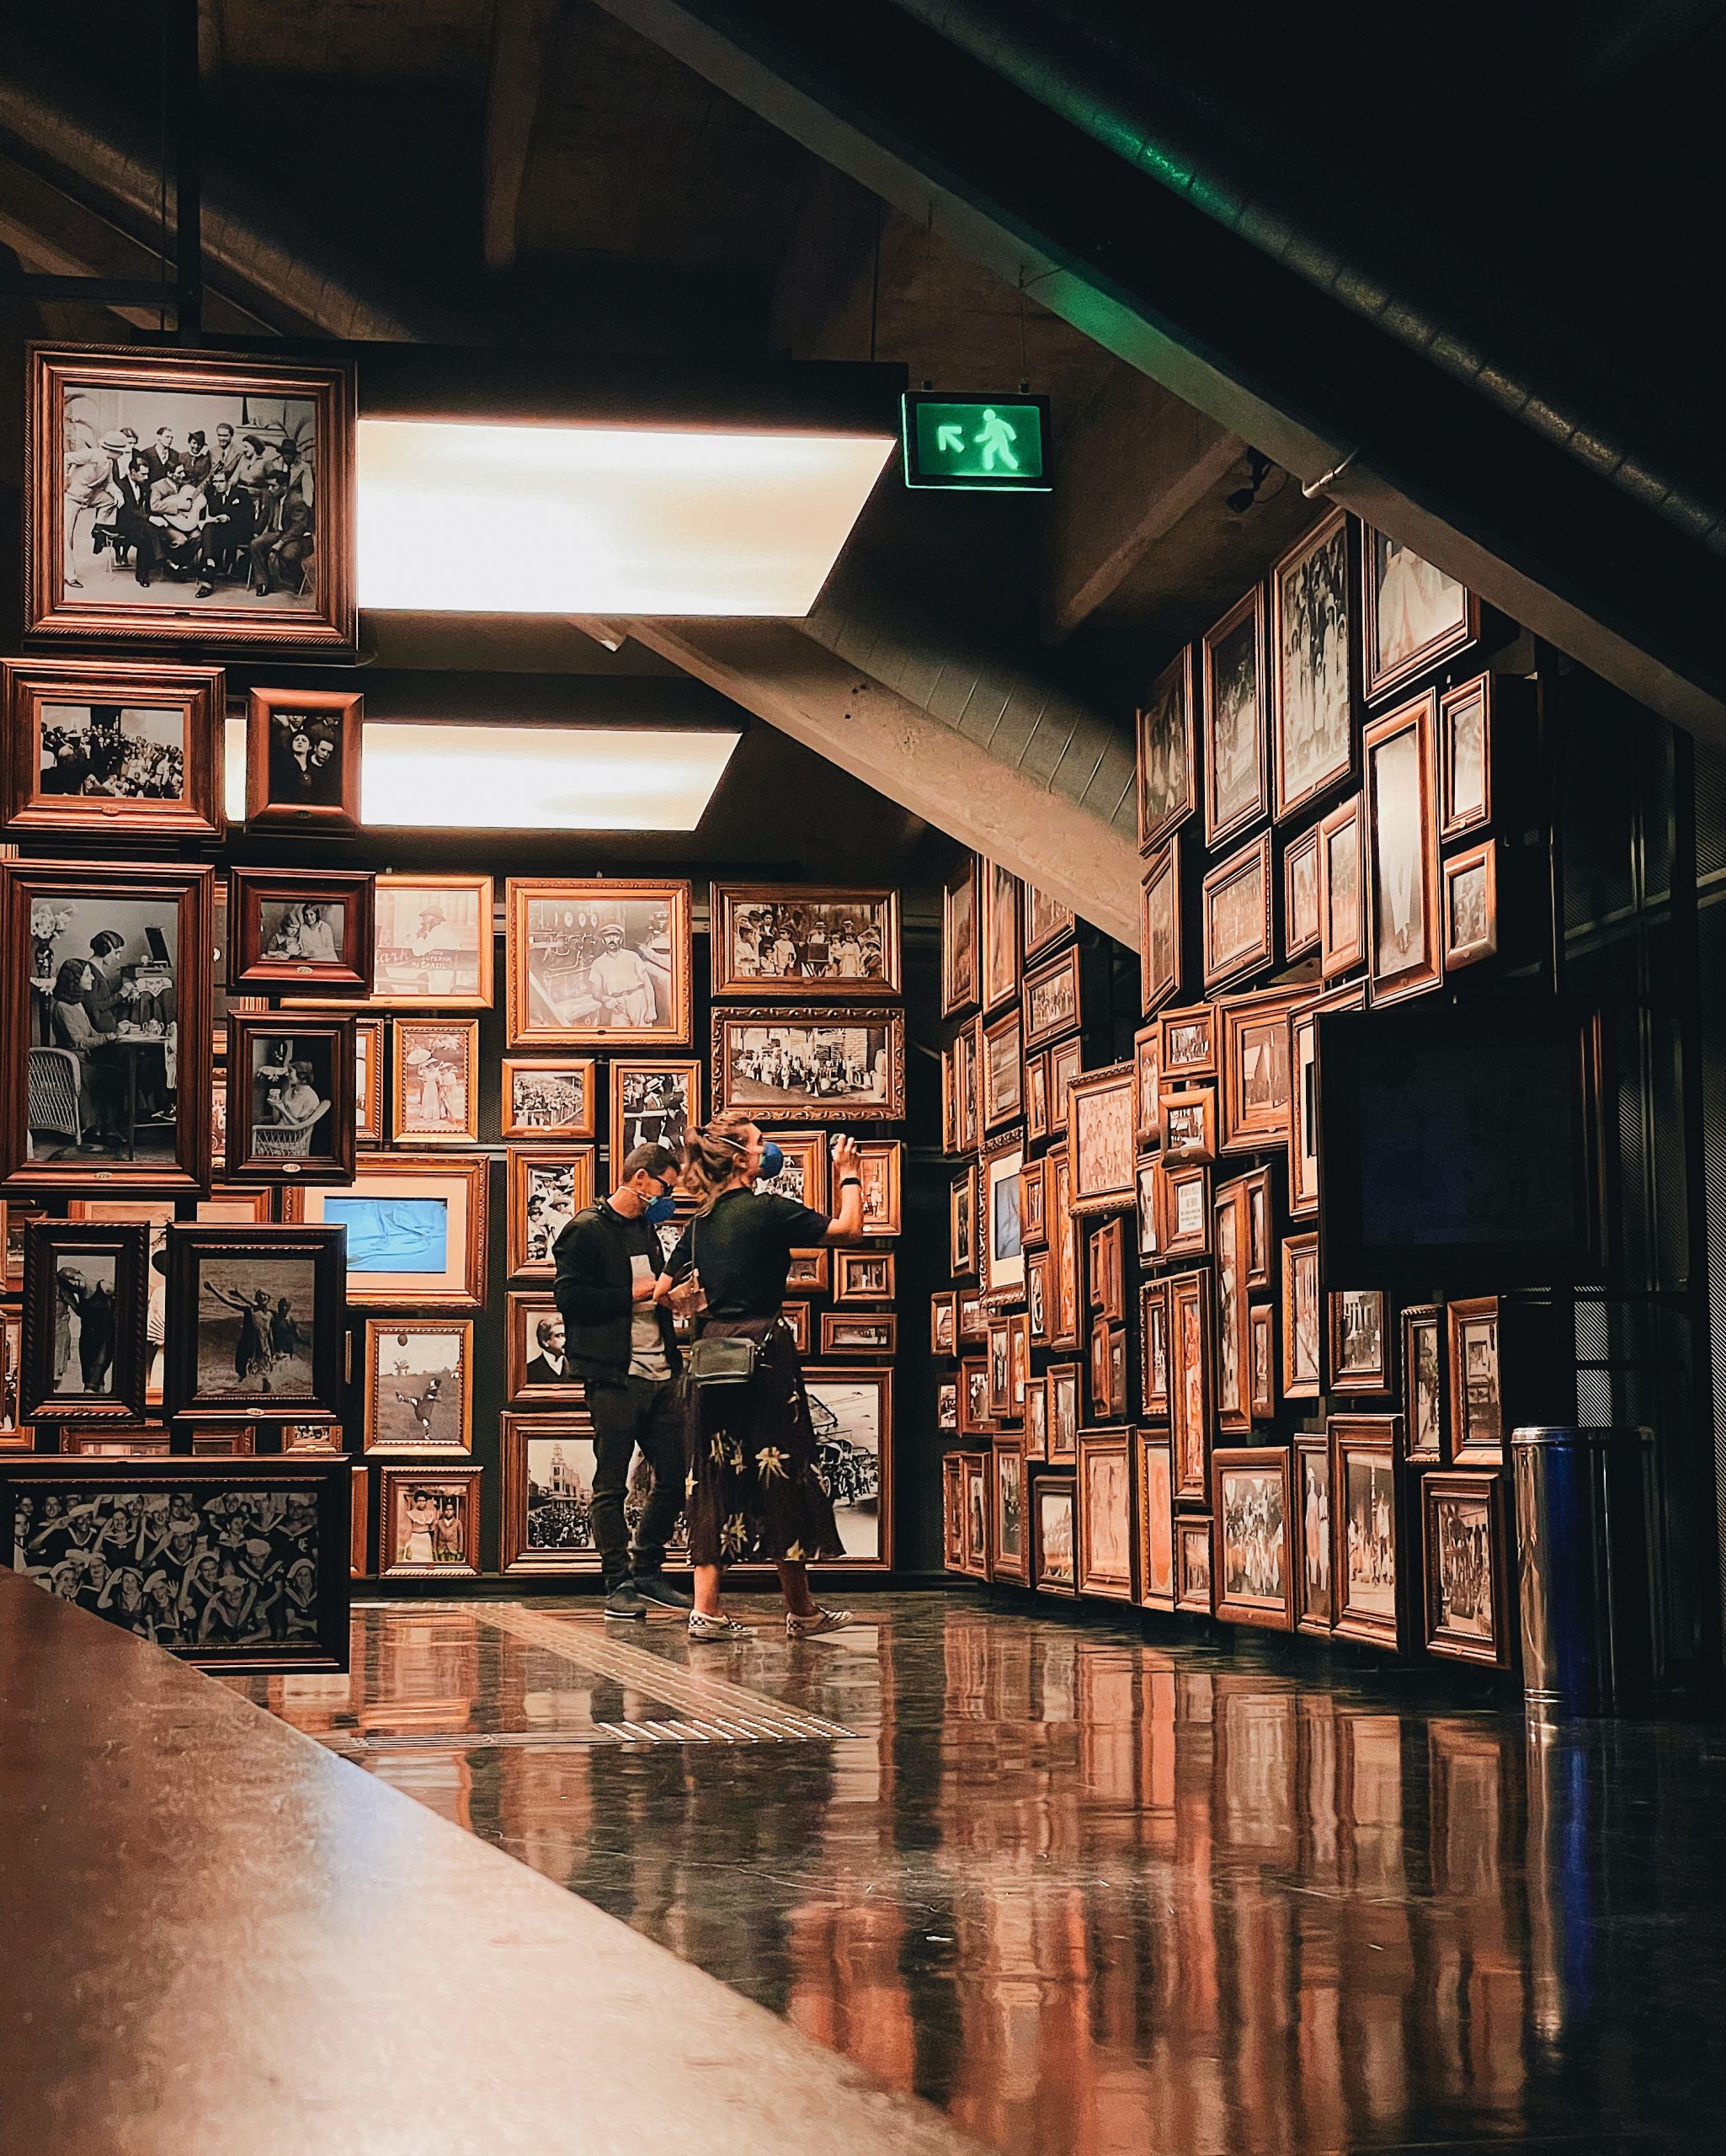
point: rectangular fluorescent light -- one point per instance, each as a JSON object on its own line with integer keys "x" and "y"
{"x": 461, "y": 518}
{"x": 525, "y": 778}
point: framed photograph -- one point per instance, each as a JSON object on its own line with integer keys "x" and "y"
{"x": 1403, "y": 920}
{"x": 1061, "y": 1381}
{"x": 535, "y": 1353}
{"x": 853, "y": 1414}
{"x": 1033, "y": 1204}
{"x": 1250, "y": 1563}
{"x": 1235, "y": 1346}
{"x": 1303, "y": 1097}
{"x": 1471, "y": 906}
{"x": 131, "y": 752}
{"x": 1302, "y": 919}
{"x": 1235, "y": 902}
{"x": 104, "y": 1027}
{"x": 1365, "y": 1555}
{"x": 598, "y": 961}
{"x": 812, "y": 1066}
{"x": 1477, "y": 1411}
{"x": 796, "y": 1317}
{"x": 1148, "y": 1085}
{"x": 428, "y": 1523}
{"x": 1000, "y": 935}
{"x": 1105, "y": 1402}
{"x": 15, "y": 1434}
{"x": 1103, "y": 1151}
{"x": 1189, "y": 1384}
{"x": 655, "y": 1103}
{"x": 1063, "y": 1248}
{"x": 863, "y": 1276}
{"x": 1237, "y": 790}
{"x": 1300, "y": 1327}
{"x": 1167, "y": 791}
{"x": 1108, "y": 1270}
{"x": 1010, "y": 1538}
{"x": 1003, "y": 1273}
{"x": 1360, "y": 1341}
{"x": 1188, "y": 1047}
{"x": 974, "y": 1418}
{"x": 1342, "y": 889}
{"x": 549, "y": 1463}
{"x": 1186, "y": 1212}
{"x": 802, "y": 1178}
{"x": 1465, "y": 758}
{"x": 302, "y": 760}
{"x": 1045, "y": 921}
{"x": 1315, "y": 681}
{"x": 369, "y": 1080}
{"x": 547, "y": 1186}
{"x": 1107, "y": 1523}
{"x": 285, "y": 1609}
{"x": 1148, "y": 1207}
{"x": 434, "y": 942}
{"x": 359, "y": 1522}
{"x": 173, "y": 495}
{"x": 1190, "y": 1126}
{"x": 548, "y": 1097}
{"x": 1466, "y": 1572}
{"x": 1053, "y": 1550}
{"x": 856, "y": 1332}
{"x": 291, "y": 1109}
{"x": 1160, "y": 940}
{"x": 307, "y": 933}
{"x": 1314, "y": 1608}
{"x": 85, "y": 1303}
{"x": 967, "y": 1067}
{"x": 961, "y": 1223}
{"x": 1262, "y": 1247}
{"x": 254, "y": 1324}
{"x": 1065, "y": 1060}
{"x": 1415, "y": 616}
{"x": 1256, "y": 1079}
{"x": 1155, "y": 1491}
{"x": 1052, "y": 999}
{"x": 808, "y": 1272}
{"x": 1036, "y": 1098}
{"x": 974, "y": 1550}
{"x": 881, "y": 1164}
{"x": 416, "y": 1230}
{"x": 1003, "y": 1071}
{"x": 959, "y": 940}
{"x": 953, "y": 1510}
{"x": 434, "y": 1067}
{"x": 1153, "y": 1350}
{"x": 1261, "y": 1370}
{"x": 946, "y": 1402}
{"x": 1192, "y": 1565}
{"x": 1422, "y": 1381}
{"x": 794, "y": 940}
{"x": 419, "y": 1385}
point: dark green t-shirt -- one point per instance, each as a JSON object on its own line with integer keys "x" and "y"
{"x": 742, "y": 1249}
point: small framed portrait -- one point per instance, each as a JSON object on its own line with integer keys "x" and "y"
{"x": 1477, "y": 1410}
{"x": 1148, "y": 1085}
{"x": 859, "y": 1332}
{"x": 1237, "y": 790}
{"x": 1187, "y": 1049}
{"x": 655, "y": 1103}
{"x": 1249, "y": 1561}
{"x": 1342, "y": 889}
{"x": 1470, "y": 907}
{"x": 1001, "y": 943}
{"x": 1261, "y": 1328}
{"x": 1189, "y": 1384}
{"x": 549, "y": 1463}
{"x": 1314, "y": 1604}
{"x": 1066, "y": 1060}
{"x": 803, "y": 1177}
{"x": 536, "y": 1357}
{"x": 1036, "y": 1419}
{"x": 1423, "y": 1381}
{"x": 175, "y": 495}
{"x": 598, "y": 961}
{"x": 797, "y": 1318}
{"x": 1155, "y": 1492}
{"x": 104, "y": 1027}
{"x": 86, "y": 1298}
{"x": 435, "y": 1081}
{"x": 1256, "y": 1077}
{"x": 1036, "y": 1098}
{"x": 304, "y": 933}
{"x": 1153, "y": 1350}
{"x": 1360, "y": 1341}
{"x": 291, "y": 1102}
{"x": 1302, "y": 921}
{"x": 1415, "y": 616}
{"x": 1039, "y": 1297}
{"x": 1003, "y": 1071}
{"x": 429, "y": 1522}
{"x": 1052, "y": 999}
{"x": 1192, "y": 1565}
{"x": 881, "y": 1165}
{"x": 853, "y": 1413}
{"x": 1108, "y": 1270}
{"x": 974, "y": 1418}
{"x": 1403, "y": 924}
{"x": 369, "y": 1080}
{"x": 1466, "y": 1573}
{"x": 943, "y": 1339}
{"x": 946, "y": 1406}
{"x": 808, "y": 1272}
{"x": 547, "y": 1186}
{"x": 863, "y": 1276}
{"x": 1189, "y": 1133}
{"x": 1186, "y": 1212}
{"x": 1366, "y": 1544}
{"x": 1159, "y": 944}
{"x": 1033, "y": 1204}
{"x": 416, "y": 1229}
{"x": 1062, "y": 1382}
{"x": 1045, "y": 922}
{"x": 1301, "y": 1335}
{"x": 1147, "y": 1206}
{"x": 433, "y": 943}
{"x": 1002, "y": 1273}
{"x": 1106, "y": 1513}
{"x": 1234, "y": 1346}
{"x": 302, "y": 760}
{"x": 953, "y": 1507}
{"x": 133, "y": 752}
{"x": 792, "y": 940}
{"x": 549, "y": 1096}
{"x": 962, "y": 1223}
{"x": 959, "y": 939}
{"x": 1105, "y": 1403}
{"x": 419, "y": 1385}
{"x": 974, "y": 1524}
{"x": 1465, "y": 731}
{"x": 1235, "y": 907}
{"x": 1054, "y": 1553}
{"x": 254, "y": 1323}
{"x": 1103, "y": 1152}
{"x": 1303, "y": 1097}
{"x": 811, "y": 1066}
{"x": 1167, "y": 794}
{"x": 15, "y": 1434}
{"x": 1314, "y": 670}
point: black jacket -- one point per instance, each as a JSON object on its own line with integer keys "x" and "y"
{"x": 593, "y": 1293}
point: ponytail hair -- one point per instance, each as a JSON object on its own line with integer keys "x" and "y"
{"x": 711, "y": 1154}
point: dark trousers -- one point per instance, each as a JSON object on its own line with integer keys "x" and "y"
{"x": 624, "y": 1415}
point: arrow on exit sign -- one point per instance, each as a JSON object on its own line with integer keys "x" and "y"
{"x": 987, "y": 445}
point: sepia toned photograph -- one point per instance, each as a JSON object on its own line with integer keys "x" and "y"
{"x": 1303, "y": 922}
{"x": 1342, "y": 889}
{"x": 435, "y": 1066}
{"x": 1167, "y": 794}
{"x": 1001, "y": 945}
{"x": 1360, "y": 1341}
{"x": 369, "y": 1081}
{"x": 1422, "y": 1381}
{"x": 1155, "y": 1494}
{"x": 1415, "y": 615}
{"x": 1261, "y": 1328}
{"x": 790, "y": 940}
{"x": 1003, "y": 1071}
{"x": 881, "y": 1169}
{"x": 1235, "y": 913}
{"x": 853, "y": 1414}
{"x": 1052, "y": 1000}
{"x": 1062, "y": 1382}
{"x": 131, "y": 750}
{"x": 802, "y": 1175}
{"x": 416, "y": 1385}
{"x": 1147, "y": 1205}
{"x": 1189, "y": 1126}
{"x": 429, "y": 1522}
{"x": 549, "y": 1464}
{"x": 1313, "y": 654}
{"x": 961, "y": 1223}
{"x": 1189, "y": 1384}
{"x": 652, "y": 1104}
{"x": 1250, "y": 1562}
{"x": 1106, "y": 1517}
{"x": 959, "y": 940}
{"x": 1010, "y": 1541}
{"x": 1233, "y": 1401}
{"x": 598, "y": 961}
{"x": 1470, "y": 906}
{"x": 1364, "y": 1565}
{"x": 289, "y": 1099}
{"x": 434, "y": 942}
{"x": 1187, "y": 1047}
{"x": 1159, "y": 952}
{"x": 1186, "y": 1212}
{"x": 1465, "y": 1578}
{"x": 254, "y": 1322}
{"x": 1465, "y": 758}
{"x": 1477, "y": 1412}
{"x": 547, "y": 1097}
{"x": 1402, "y": 853}
{"x": 1055, "y": 1556}
{"x": 1192, "y": 1565}
{"x": 1046, "y": 921}
{"x": 1302, "y": 1343}
{"x": 546, "y": 1190}
{"x": 1103, "y": 1150}
{"x": 863, "y": 1276}
{"x": 1313, "y": 1602}
{"x": 1153, "y": 1350}
{"x": 821, "y": 1066}
{"x": 302, "y": 760}
{"x": 846, "y": 1332}
{"x": 1236, "y": 790}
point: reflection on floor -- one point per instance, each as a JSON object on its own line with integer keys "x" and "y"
{"x": 1090, "y": 1893}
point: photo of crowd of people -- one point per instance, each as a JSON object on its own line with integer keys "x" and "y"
{"x": 1255, "y": 1536}
{"x": 804, "y": 939}
{"x": 121, "y": 752}
{"x": 560, "y": 1496}
{"x": 557, "y": 1103}
{"x": 805, "y": 1067}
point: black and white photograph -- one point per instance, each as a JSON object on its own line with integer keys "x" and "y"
{"x": 1402, "y": 904}
{"x": 307, "y": 934}
{"x": 302, "y": 759}
{"x": 536, "y": 1352}
{"x": 1415, "y": 614}
{"x": 429, "y": 1521}
{"x": 1312, "y": 645}
{"x": 85, "y": 1309}
{"x": 549, "y": 1464}
{"x": 604, "y": 962}
{"x": 802, "y": 1174}
{"x": 1364, "y": 1567}
{"x": 416, "y": 1396}
{"x": 1423, "y": 1374}
{"x": 547, "y": 1098}
{"x": 1234, "y": 758}
{"x": 1165, "y": 753}
{"x": 852, "y": 1412}
{"x": 104, "y": 745}
{"x": 1359, "y": 1340}
{"x": 546, "y": 1190}
{"x": 293, "y": 1079}
{"x": 652, "y": 1104}
{"x": 254, "y": 1321}
{"x": 1475, "y": 1394}
{"x": 1464, "y": 1593}
{"x": 1251, "y": 1567}
{"x": 435, "y": 1062}
{"x": 789, "y": 940}
{"x": 825, "y": 1066}
{"x": 301, "y": 931}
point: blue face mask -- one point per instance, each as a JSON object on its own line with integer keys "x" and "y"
{"x": 660, "y": 1209}
{"x": 772, "y": 1162}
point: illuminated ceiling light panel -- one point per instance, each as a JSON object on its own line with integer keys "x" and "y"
{"x": 495, "y": 519}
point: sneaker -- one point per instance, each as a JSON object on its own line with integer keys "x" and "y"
{"x": 823, "y": 1620}
{"x": 718, "y": 1628}
{"x": 651, "y": 1586}
{"x": 623, "y": 1601}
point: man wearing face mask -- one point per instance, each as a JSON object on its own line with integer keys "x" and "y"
{"x": 621, "y": 1345}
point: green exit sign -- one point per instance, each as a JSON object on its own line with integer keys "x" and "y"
{"x": 991, "y": 445}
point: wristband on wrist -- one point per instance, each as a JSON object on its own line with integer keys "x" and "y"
{"x": 846, "y": 1182}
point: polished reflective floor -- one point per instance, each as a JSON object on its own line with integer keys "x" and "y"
{"x": 1090, "y": 1891}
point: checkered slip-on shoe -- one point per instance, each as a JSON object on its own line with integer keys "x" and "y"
{"x": 718, "y": 1628}
{"x": 823, "y": 1620}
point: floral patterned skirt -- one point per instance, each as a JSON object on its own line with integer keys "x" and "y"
{"x": 754, "y": 1491}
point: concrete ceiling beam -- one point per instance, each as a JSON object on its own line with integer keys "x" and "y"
{"x": 517, "y": 70}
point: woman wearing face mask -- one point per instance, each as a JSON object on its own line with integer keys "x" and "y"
{"x": 755, "y": 1488}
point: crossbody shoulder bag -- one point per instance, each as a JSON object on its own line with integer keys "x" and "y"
{"x": 714, "y": 1363}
